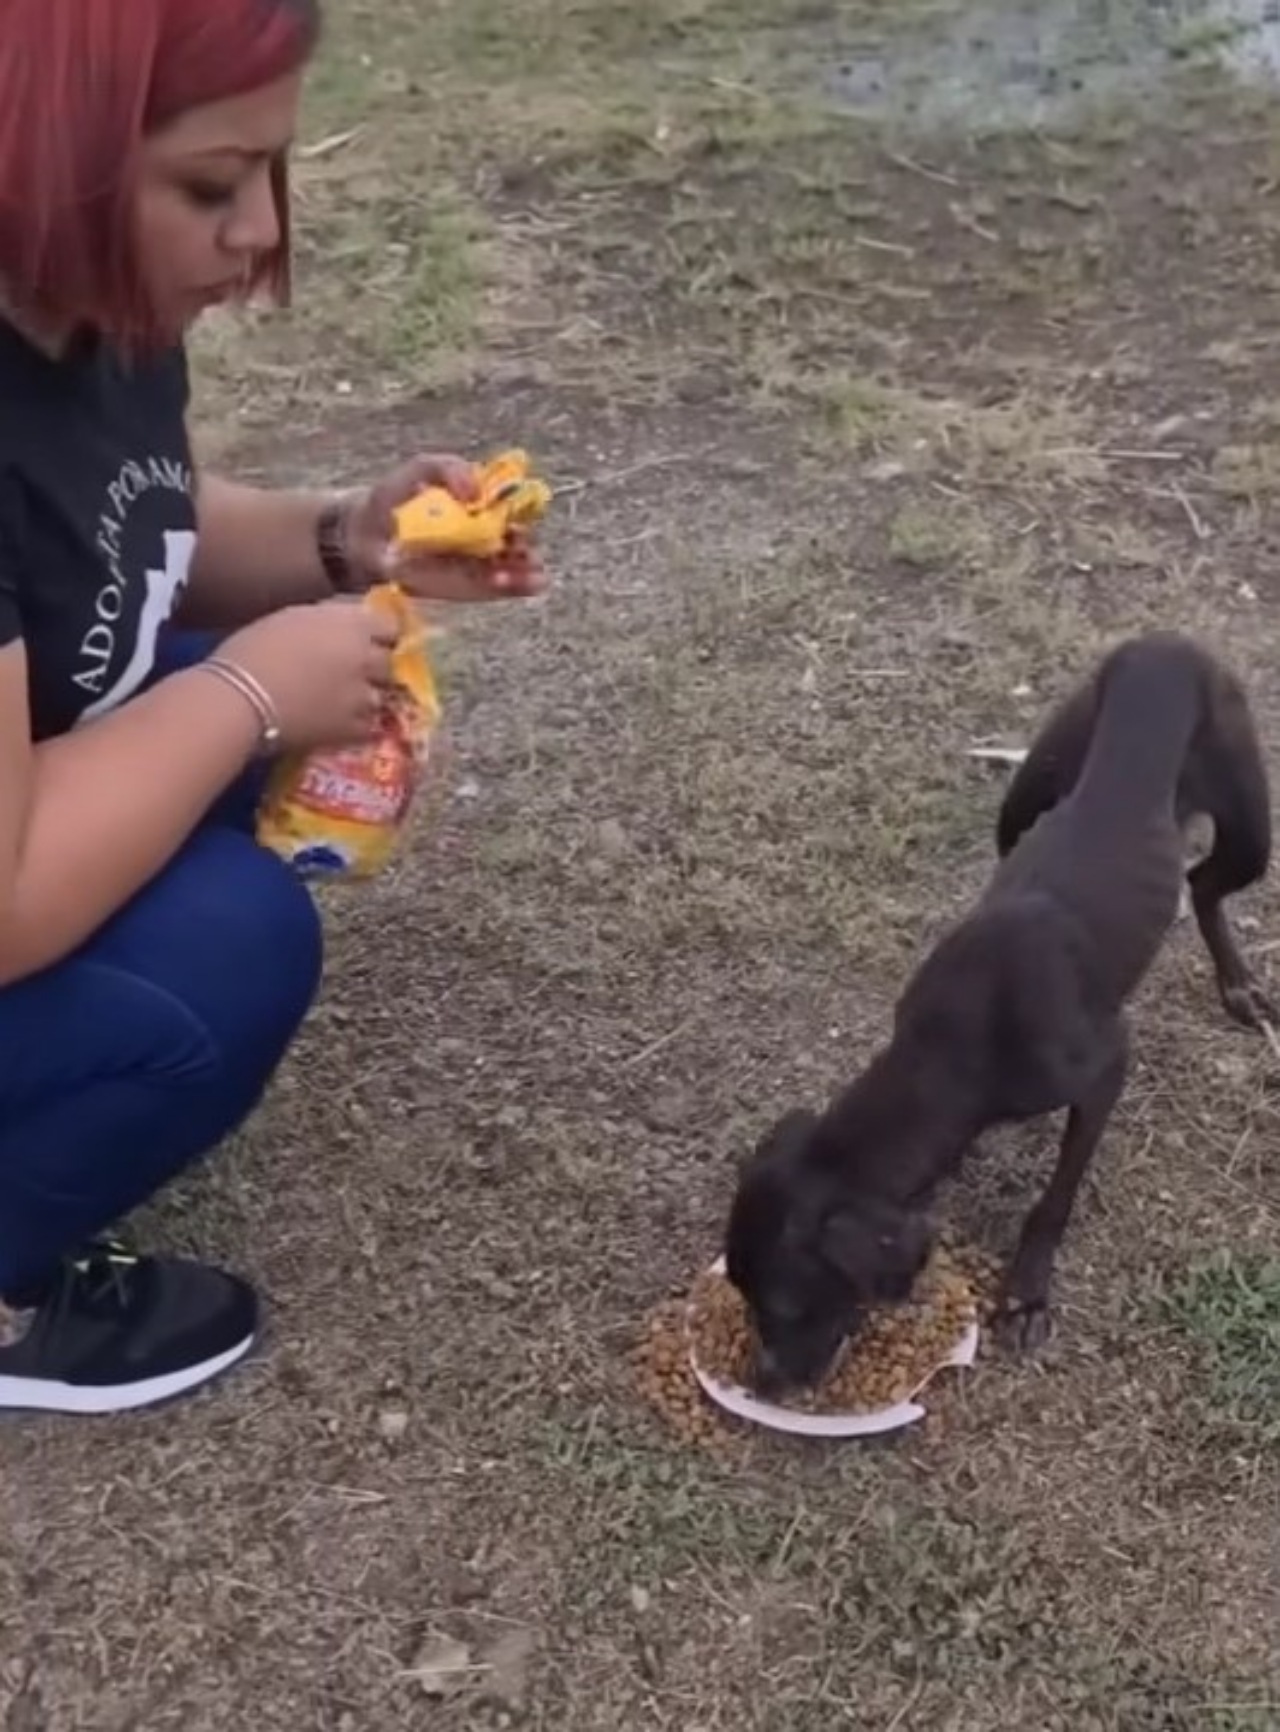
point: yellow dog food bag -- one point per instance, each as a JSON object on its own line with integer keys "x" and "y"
{"x": 340, "y": 814}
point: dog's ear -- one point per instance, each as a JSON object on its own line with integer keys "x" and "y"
{"x": 877, "y": 1248}
{"x": 784, "y": 1139}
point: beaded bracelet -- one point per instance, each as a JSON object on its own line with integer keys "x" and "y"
{"x": 332, "y": 548}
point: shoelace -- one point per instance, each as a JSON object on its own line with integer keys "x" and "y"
{"x": 102, "y": 1268}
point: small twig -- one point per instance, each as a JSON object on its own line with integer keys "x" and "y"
{"x": 914, "y": 167}
{"x": 1146, "y": 456}
{"x": 622, "y": 541}
{"x": 736, "y": 88}
{"x": 1009, "y": 755}
{"x": 784, "y": 1546}
{"x": 327, "y": 146}
{"x": 1199, "y": 528}
{"x": 1272, "y": 1038}
{"x": 884, "y": 246}
{"x": 441, "y": 1679}
{"x": 967, "y": 220}
{"x": 608, "y": 477}
{"x": 900, "y": 1718}
{"x": 1238, "y": 1155}
{"x": 655, "y": 1046}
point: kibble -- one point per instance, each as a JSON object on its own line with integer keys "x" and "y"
{"x": 895, "y": 1351}
{"x": 664, "y": 1377}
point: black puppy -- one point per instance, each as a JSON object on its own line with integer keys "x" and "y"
{"x": 1018, "y": 1011}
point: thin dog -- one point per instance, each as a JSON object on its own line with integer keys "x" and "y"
{"x": 1019, "y": 1010}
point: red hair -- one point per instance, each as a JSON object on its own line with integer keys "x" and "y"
{"x": 82, "y": 83}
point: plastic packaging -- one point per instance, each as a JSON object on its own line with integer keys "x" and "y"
{"x": 340, "y": 814}
{"x": 507, "y": 498}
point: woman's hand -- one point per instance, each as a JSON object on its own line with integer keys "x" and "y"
{"x": 325, "y": 667}
{"x": 435, "y": 577}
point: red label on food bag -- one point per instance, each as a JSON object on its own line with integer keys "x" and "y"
{"x": 366, "y": 785}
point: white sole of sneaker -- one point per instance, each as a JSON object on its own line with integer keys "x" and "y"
{"x": 42, "y": 1395}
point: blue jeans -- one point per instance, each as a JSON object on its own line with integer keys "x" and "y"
{"x": 137, "y": 1054}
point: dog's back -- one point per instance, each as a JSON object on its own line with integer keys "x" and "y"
{"x": 1076, "y": 910}
{"x": 1160, "y": 722}
{"x": 1223, "y": 767}
{"x": 1109, "y": 852}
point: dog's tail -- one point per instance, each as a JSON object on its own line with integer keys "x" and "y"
{"x": 1151, "y": 699}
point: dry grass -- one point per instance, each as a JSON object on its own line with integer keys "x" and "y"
{"x": 872, "y": 441}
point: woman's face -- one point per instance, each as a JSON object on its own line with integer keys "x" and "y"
{"x": 206, "y": 211}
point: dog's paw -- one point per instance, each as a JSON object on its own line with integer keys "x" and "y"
{"x": 1022, "y": 1326}
{"x": 1249, "y": 1004}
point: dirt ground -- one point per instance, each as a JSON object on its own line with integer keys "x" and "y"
{"x": 875, "y": 419}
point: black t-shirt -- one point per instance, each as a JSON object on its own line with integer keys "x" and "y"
{"x": 97, "y": 520}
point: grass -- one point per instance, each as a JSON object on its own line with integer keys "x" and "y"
{"x": 869, "y": 437}
{"x": 1229, "y": 1309}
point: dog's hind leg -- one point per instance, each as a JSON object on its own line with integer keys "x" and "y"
{"x": 1233, "y": 791}
{"x": 1023, "y": 1318}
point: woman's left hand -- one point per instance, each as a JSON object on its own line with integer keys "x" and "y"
{"x": 431, "y": 576}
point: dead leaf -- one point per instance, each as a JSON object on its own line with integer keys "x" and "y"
{"x": 507, "y": 1662}
{"x": 393, "y": 1422}
{"x": 442, "y": 1667}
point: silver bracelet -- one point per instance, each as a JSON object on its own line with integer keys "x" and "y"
{"x": 252, "y": 691}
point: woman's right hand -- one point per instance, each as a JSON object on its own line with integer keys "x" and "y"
{"x": 324, "y": 665}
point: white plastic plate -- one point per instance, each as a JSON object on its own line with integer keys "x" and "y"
{"x": 743, "y": 1405}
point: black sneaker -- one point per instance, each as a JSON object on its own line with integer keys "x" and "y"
{"x": 116, "y": 1331}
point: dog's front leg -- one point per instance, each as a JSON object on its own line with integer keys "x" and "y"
{"x": 1023, "y": 1319}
